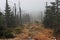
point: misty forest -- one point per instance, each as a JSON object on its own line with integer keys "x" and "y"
{"x": 16, "y": 24}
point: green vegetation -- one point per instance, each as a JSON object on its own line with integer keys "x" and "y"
{"x": 52, "y": 16}
{"x": 9, "y": 34}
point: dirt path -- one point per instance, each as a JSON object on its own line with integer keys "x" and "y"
{"x": 36, "y": 31}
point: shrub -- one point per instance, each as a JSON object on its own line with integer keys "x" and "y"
{"x": 18, "y": 31}
{"x": 1, "y": 34}
{"x": 9, "y": 34}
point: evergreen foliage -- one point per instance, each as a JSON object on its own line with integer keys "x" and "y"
{"x": 52, "y": 17}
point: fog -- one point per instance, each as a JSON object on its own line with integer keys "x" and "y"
{"x": 27, "y": 5}
{"x": 33, "y": 7}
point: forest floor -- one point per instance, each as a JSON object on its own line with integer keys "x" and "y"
{"x": 34, "y": 31}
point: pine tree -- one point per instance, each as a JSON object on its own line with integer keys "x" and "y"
{"x": 15, "y": 14}
{"x": 52, "y": 17}
{"x": 2, "y": 28}
{"x": 7, "y": 14}
{"x": 47, "y": 18}
{"x": 1, "y": 19}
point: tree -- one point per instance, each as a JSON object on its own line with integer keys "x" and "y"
{"x": 1, "y": 19}
{"x": 2, "y": 28}
{"x": 12, "y": 20}
{"x": 15, "y": 14}
{"x": 47, "y": 18}
{"x": 7, "y": 14}
{"x": 52, "y": 17}
{"x": 20, "y": 14}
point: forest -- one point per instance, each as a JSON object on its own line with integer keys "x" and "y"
{"x": 18, "y": 26}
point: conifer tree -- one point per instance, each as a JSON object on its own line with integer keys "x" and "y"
{"x": 7, "y": 14}
{"x": 52, "y": 17}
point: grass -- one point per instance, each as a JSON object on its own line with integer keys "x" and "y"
{"x": 36, "y": 31}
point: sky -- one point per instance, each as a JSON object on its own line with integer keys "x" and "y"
{"x": 27, "y": 5}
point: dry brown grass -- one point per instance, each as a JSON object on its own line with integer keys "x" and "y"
{"x": 36, "y": 31}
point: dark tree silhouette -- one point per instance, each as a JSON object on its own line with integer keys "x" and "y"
{"x": 52, "y": 16}
{"x": 7, "y": 14}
